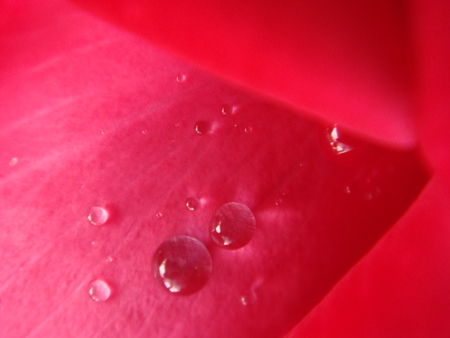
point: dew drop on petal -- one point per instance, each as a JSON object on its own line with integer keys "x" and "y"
{"x": 99, "y": 290}
{"x": 98, "y": 216}
{"x": 229, "y": 109}
{"x": 249, "y": 297}
{"x": 192, "y": 203}
{"x": 181, "y": 78}
{"x": 202, "y": 127}
{"x": 109, "y": 259}
{"x": 248, "y": 129}
{"x": 338, "y": 146}
{"x": 13, "y": 162}
{"x": 233, "y": 226}
{"x": 182, "y": 265}
{"x": 159, "y": 215}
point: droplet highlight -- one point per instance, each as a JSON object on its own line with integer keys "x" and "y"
{"x": 182, "y": 265}
{"x": 229, "y": 109}
{"x": 181, "y": 78}
{"x": 338, "y": 146}
{"x": 249, "y": 297}
{"x": 159, "y": 215}
{"x": 202, "y": 127}
{"x": 192, "y": 203}
{"x": 232, "y": 226}
{"x": 98, "y": 216}
{"x": 13, "y": 162}
{"x": 99, "y": 290}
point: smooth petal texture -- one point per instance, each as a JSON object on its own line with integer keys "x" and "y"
{"x": 94, "y": 116}
{"x": 401, "y": 287}
{"x": 263, "y": 46}
{"x": 347, "y": 61}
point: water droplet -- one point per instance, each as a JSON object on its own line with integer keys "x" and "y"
{"x": 98, "y": 215}
{"x": 202, "y": 127}
{"x": 103, "y": 131}
{"x": 229, "y": 109}
{"x": 181, "y": 78}
{"x": 249, "y": 297}
{"x": 99, "y": 290}
{"x": 159, "y": 215}
{"x": 233, "y": 226}
{"x": 248, "y": 129}
{"x": 192, "y": 203}
{"x": 109, "y": 259}
{"x": 338, "y": 146}
{"x": 145, "y": 132}
{"x": 182, "y": 265}
{"x": 13, "y": 162}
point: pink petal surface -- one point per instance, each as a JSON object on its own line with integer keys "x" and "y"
{"x": 96, "y": 117}
{"x": 310, "y": 50}
{"x": 346, "y": 61}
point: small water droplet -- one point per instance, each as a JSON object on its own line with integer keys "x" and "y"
{"x": 177, "y": 125}
{"x": 249, "y": 297}
{"x": 93, "y": 243}
{"x": 145, "y": 132}
{"x": 159, "y": 215}
{"x": 338, "y": 146}
{"x": 99, "y": 290}
{"x": 109, "y": 259}
{"x": 103, "y": 131}
{"x": 181, "y": 78}
{"x": 13, "y": 162}
{"x": 182, "y": 265}
{"x": 202, "y": 127}
{"x": 192, "y": 203}
{"x": 229, "y": 109}
{"x": 248, "y": 129}
{"x": 98, "y": 216}
{"x": 233, "y": 226}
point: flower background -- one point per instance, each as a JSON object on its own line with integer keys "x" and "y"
{"x": 376, "y": 75}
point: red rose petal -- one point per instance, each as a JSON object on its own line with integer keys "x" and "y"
{"x": 347, "y": 61}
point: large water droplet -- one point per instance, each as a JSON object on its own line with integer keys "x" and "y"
{"x": 202, "y": 127}
{"x": 233, "y": 226}
{"x": 13, "y": 162}
{"x": 99, "y": 290}
{"x": 181, "y": 78}
{"x": 192, "y": 203}
{"x": 182, "y": 265}
{"x": 229, "y": 109}
{"x": 98, "y": 216}
{"x": 338, "y": 146}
